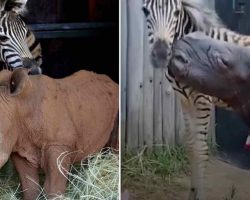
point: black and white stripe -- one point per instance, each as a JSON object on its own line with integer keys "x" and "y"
{"x": 158, "y": 15}
{"x": 17, "y": 42}
{"x": 168, "y": 20}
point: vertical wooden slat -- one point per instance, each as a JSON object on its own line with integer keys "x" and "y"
{"x": 134, "y": 73}
{"x": 141, "y": 114}
{"x": 168, "y": 106}
{"x": 158, "y": 73}
{"x": 141, "y": 106}
{"x": 179, "y": 123}
{"x": 148, "y": 93}
{"x": 123, "y": 73}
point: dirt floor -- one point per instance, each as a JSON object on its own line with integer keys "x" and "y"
{"x": 223, "y": 181}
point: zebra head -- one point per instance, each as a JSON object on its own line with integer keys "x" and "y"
{"x": 14, "y": 50}
{"x": 161, "y": 19}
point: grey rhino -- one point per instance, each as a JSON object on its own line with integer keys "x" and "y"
{"x": 216, "y": 68}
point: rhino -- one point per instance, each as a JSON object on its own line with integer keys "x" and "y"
{"x": 216, "y": 68}
{"x": 42, "y": 118}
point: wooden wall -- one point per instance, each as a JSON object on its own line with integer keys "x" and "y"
{"x": 150, "y": 111}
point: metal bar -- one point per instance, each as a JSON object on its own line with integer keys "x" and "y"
{"x": 70, "y": 30}
{"x": 67, "y": 34}
{"x": 70, "y": 26}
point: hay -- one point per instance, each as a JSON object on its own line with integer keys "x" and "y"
{"x": 96, "y": 178}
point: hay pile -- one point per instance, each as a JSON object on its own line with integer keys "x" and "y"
{"x": 96, "y": 178}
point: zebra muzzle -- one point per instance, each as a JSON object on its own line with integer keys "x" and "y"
{"x": 32, "y": 66}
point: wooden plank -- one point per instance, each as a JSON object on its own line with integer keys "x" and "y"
{"x": 141, "y": 114}
{"x": 158, "y": 73}
{"x": 141, "y": 106}
{"x": 123, "y": 73}
{"x": 148, "y": 93}
{"x": 168, "y": 107}
{"x": 134, "y": 73}
{"x": 179, "y": 122}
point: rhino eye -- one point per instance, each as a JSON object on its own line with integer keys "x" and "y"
{"x": 181, "y": 58}
{"x": 223, "y": 63}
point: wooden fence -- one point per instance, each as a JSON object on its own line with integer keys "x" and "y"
{"x": 151, "y": 114}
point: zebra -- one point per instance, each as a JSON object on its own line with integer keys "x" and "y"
{"x": 18, "y": 45}
{"x": 166, "y": 21}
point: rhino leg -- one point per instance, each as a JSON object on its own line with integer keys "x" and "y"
{"x": 28, "y": 175}
{"x": 55, "y": 181}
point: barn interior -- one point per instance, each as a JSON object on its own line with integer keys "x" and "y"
{"x": 76, "y": 35}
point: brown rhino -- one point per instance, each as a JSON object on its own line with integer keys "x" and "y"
{"x": 42, "y": 117}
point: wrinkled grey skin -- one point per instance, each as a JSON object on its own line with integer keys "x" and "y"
{"x": 215, "y": 68}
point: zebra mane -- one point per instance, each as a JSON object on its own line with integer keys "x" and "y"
{"x": 203, "y": 17}
{"x": 19, "y": 6}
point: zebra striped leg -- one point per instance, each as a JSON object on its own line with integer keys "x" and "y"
{"x": 197, "y": 112}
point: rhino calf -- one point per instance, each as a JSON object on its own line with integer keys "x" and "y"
{"x": 216, "y": 68}
{"x": 41, "y": 118}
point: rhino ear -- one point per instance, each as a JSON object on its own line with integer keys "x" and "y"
{"x": 18, "y": 81}
{"x": 18, "y": 6}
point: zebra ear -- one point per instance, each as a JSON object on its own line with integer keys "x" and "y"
{"x": 18, "y": 80}
{"x": 18, "y": 6}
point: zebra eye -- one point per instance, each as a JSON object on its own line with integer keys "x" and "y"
{"x": 145, "y": 11}
{"x": 176, "y": 13}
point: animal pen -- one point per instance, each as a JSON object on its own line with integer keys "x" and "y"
{"x": 151, "y": 112}
{"x": 82, "y": 31}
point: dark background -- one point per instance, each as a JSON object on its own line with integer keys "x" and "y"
{"x": 77, "y": 34}
{"x": 231, "y": 131}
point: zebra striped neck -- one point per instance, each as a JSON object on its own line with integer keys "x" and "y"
{"x": 184, "y": 25}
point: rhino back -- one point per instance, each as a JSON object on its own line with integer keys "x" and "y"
{"x": 80, "y": 110}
